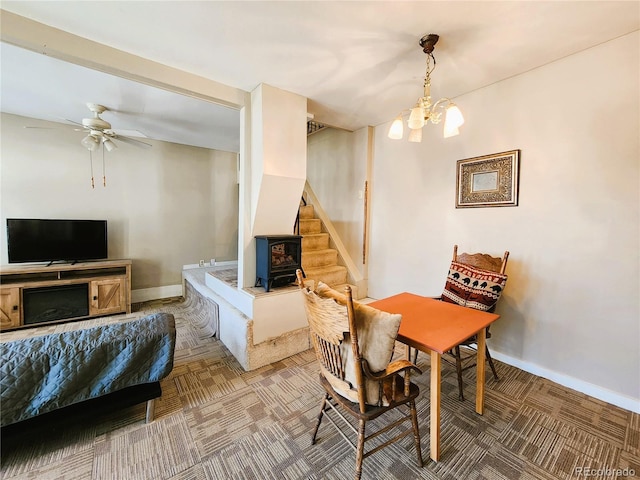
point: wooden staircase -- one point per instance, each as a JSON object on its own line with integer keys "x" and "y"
{"x": 319, "y": 260}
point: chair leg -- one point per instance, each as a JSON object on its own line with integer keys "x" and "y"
{"x": 493, "y": 368}
{"x": 415, "y": 357}
{"x": 320, "y": 415}
{"x": 459, "y": 371}
{"x": 416, "y": 432}
{"x": 360, "y": 449}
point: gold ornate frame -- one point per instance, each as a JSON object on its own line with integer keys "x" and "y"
{"x": 488, "y": 181}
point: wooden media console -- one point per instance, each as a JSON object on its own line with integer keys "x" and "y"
{"x": 42, "y": 294}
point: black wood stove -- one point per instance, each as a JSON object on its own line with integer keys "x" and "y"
{"x": 277, "y": 259}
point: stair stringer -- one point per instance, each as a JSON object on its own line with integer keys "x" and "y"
{"x": 354, "y": 276}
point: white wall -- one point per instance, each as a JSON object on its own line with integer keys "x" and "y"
{"x": 278, "y": 158}
{"x": 274, "y": 172}
{"x": 166, "y": 206}
{"x": 570, "y": 309}
{"x": 337, "y": 171}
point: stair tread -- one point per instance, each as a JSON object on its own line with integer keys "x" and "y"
{"x": 318, "y": 251}
{"x": 319, "y": 234}
{"x": 310, "y": 228}
{"x": 325, "y": 269}
{"x": 315, "y": 241}
{"x": 307, "y": 211}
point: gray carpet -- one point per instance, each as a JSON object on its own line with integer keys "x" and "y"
{"x": 216, "y": 421}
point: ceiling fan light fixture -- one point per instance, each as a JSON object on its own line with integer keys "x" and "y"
{"x": 90, "y": 142}
{"x": 109, "y": 144}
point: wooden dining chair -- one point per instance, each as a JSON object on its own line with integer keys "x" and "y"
{"x": 475, "y": 280}
{"x": 354, "y": 345}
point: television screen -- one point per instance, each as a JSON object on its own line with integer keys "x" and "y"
{"x": 38, "y": 240}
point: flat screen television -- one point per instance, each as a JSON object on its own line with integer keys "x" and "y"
{"x": 49, "y": 240}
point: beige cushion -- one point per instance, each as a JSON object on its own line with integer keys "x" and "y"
{"x": 325, "y": 291}
{"x": 377, "y": 331}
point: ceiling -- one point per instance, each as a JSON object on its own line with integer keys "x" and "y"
{"x": 358, "y": 62}
{"x": 135, "y": 110}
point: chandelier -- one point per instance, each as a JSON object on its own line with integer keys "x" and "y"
{"x": 424, "y": 111}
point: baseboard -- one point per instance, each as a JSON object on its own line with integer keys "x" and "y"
{"x": 220, "y": 265}
{"x": 604, "y": 394}
{"x": 155, "y": 293}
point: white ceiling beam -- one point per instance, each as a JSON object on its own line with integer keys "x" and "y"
{"x": 41, "y": 38}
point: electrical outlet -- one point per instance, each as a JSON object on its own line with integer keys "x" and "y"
{"x": 201, "y": 263}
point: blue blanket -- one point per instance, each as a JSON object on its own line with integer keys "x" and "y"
{"x": 43, "y": 373}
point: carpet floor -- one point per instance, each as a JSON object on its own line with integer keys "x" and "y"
{"x": 216, "y": 421}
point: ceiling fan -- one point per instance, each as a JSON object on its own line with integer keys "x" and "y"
{"x": 99, "y": 131}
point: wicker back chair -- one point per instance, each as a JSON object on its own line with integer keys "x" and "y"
{"x": 354, "y": 345}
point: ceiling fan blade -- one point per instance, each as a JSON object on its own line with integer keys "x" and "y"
{"x": 132, "y": 141}
{"x": 71, "y": 121}
{"x": 60, "y": 125}
{"x": 127, "y": 133}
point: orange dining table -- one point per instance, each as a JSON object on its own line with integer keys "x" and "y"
{"x": 435, "y": 327}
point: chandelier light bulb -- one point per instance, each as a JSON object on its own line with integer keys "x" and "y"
{"x": 415, "y": 135}
{"x": 451, "y": 132}
{"x": 396, "y": 131}
{"x": 416, "y": 118}
{"x": 453, "y": 120}
{"x": 454, "y": 116}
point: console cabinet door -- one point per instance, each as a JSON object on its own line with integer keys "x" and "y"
{"x": 108, "y": 296}
{"x": 9, "y": 307}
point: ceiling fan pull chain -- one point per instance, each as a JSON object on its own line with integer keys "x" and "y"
{"x": 104, "y": 175}
{"x": 91, "y": 163}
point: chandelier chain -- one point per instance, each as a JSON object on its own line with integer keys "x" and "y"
{"x": 427, "y": 77}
